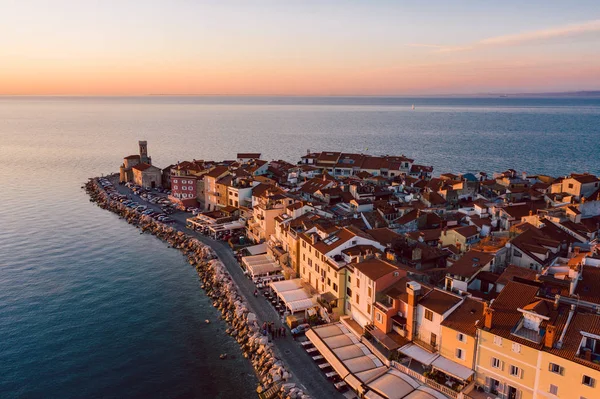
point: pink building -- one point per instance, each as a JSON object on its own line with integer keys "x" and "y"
{"x": 184, "y": 190}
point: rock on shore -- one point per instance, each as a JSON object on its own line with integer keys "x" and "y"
{"x": 220, "y": 287}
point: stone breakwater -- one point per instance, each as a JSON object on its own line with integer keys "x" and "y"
{"x": 220, "y": 287}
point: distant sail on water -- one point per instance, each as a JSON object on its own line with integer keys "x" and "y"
{"x": 413, "y": 106}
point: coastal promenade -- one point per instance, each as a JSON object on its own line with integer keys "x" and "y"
{"x": 304, "y": 371}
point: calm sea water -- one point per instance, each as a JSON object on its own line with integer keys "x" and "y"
{"x": 91, "y": 308}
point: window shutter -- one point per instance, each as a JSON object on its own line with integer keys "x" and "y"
{"x": 518, "y": 394}
{"x": 520, "y": 373}
{"x": 562, "y": 371}
{"x": 492, "y": 362}
{"x": 501, "y": 365}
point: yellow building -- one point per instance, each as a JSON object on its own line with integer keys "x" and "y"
{"x": 571, "y": 368}
{"x": 509, "y": 343}
{"x": 323, "y": 261}
{"x": 459, "y": 333}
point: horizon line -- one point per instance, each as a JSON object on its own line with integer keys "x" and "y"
{"x": 536, "y": 93}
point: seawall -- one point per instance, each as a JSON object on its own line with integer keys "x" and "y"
{"x": 220, "y": 287}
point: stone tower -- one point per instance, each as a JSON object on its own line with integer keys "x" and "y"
{"x": 144, "y": 158}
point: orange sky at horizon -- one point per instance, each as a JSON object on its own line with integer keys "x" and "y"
{"x": 296, "y": 48}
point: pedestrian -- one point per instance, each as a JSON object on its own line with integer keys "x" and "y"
{"x": 283, "y": 331}
{"x": 255, "y": 293}
{"x": 272, "y": 335}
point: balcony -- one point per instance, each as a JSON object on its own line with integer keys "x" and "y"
{"x": 425, "y": 345}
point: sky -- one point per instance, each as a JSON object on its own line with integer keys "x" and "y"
{"x": 269, "y": 47}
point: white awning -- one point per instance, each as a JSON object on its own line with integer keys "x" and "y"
{"x": 303, "y": 304}
{"x": 336, "y": 364}
{"x": 425, "y": 392}
{"x": 263, "y": 269}
{"x": 294, "y": 295}
{"x": 452, "y": 368}
{"x": 286, "y": 285}
{"x": 257, "y": 249}
{"x": 419, "y": 354}
{"x": 393, "y": 385}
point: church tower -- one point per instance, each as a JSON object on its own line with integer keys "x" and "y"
{"x": 144, "y": 158}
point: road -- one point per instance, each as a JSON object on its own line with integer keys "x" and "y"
{"x": 304, "y": 370}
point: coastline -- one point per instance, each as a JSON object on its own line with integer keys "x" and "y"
{"x": 220, "y": 286}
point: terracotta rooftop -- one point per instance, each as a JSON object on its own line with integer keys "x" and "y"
{"x": 588, "y": 289}
{"x": 439, "y": 301}
{"x": 246, "y": 155}
{"x": 142, "y": 166}
{"x": 375, "y": 268}
{"x": 470, "y": 263}
{"x": 383, "y": 235}
{"x": 465, "y": 317}
{"x": 513, "y": 271}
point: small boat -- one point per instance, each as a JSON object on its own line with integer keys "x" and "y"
{"x": 413, "y": 106}
{"x": 207, "y": 321}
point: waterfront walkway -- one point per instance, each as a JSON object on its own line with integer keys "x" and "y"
{"x": 305, "y": 372}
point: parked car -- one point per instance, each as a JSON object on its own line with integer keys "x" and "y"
{"x": 301, "y": 329}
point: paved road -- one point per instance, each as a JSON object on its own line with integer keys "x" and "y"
{"x": 304, "y": 371}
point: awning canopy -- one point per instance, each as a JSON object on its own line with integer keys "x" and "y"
{"x": 335, "y": 363}
{"x": 286, "y": 285}
{"x": 294, "y": 295}
{"x": 393, "y": 385}
{"x": 425, "y": 392}
{"x": 260, "y": 265}
{"x": 452, "y": 368}
{"x": 303, "y": 304}
{"x": 257, "y": 249}
{"x": 419, "y": 354}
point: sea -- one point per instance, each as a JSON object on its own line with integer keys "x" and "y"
{"x": 89, "y": 308}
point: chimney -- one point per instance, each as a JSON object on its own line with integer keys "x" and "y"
{"x": 550, "y": 335}
{"x": 487, "y": 314}
{"x": 413, "y": 289}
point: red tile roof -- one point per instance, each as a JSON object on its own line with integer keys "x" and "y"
{"x": 465, "y": 317}
{"x": 439, "y": 301}
{"x": 470, "y": 263}
{"x": 375, "y": 268}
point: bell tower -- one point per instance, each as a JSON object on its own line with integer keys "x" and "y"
{"x": 144, "y": 158}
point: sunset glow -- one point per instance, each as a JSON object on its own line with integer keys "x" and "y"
{"x": 297, "y": 48}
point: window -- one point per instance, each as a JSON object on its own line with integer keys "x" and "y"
{"x": 370, "y": 292}
{"x": 369, "y": 309}
{"x": 310, "y": 262}
{"x": 328, "y": 281}
{"x": 396, "y": 274}
{"x": 428, "y": 314}
{"x": 461, "y": 337}
{"x": 496, "y": 363}
{"x": 357, "y": 299}
{"x": 516, "y": 347}
{"x": 516, "y": 371}
{"x": 589, "y": 381}
{"x": 517, "y": 254}
{"x": 174, "y": 187}
{"x": 378, "y": 317}
{"x": 357, "y": 283}
{"x": 553, "y": 389}
{"x": 460, "y": 354}
{"x": 555, "y": 368}
{"x": 304, "y": 257}
{"x": 335, "y": 287}
{"x": 497, "y": 340}
{"x": 349, "y": 292}
{"x": 303, "y": 270}
{"x": 570, "y": 185}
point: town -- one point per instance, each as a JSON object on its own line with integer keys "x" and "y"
{"x": 400, "y": 283}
